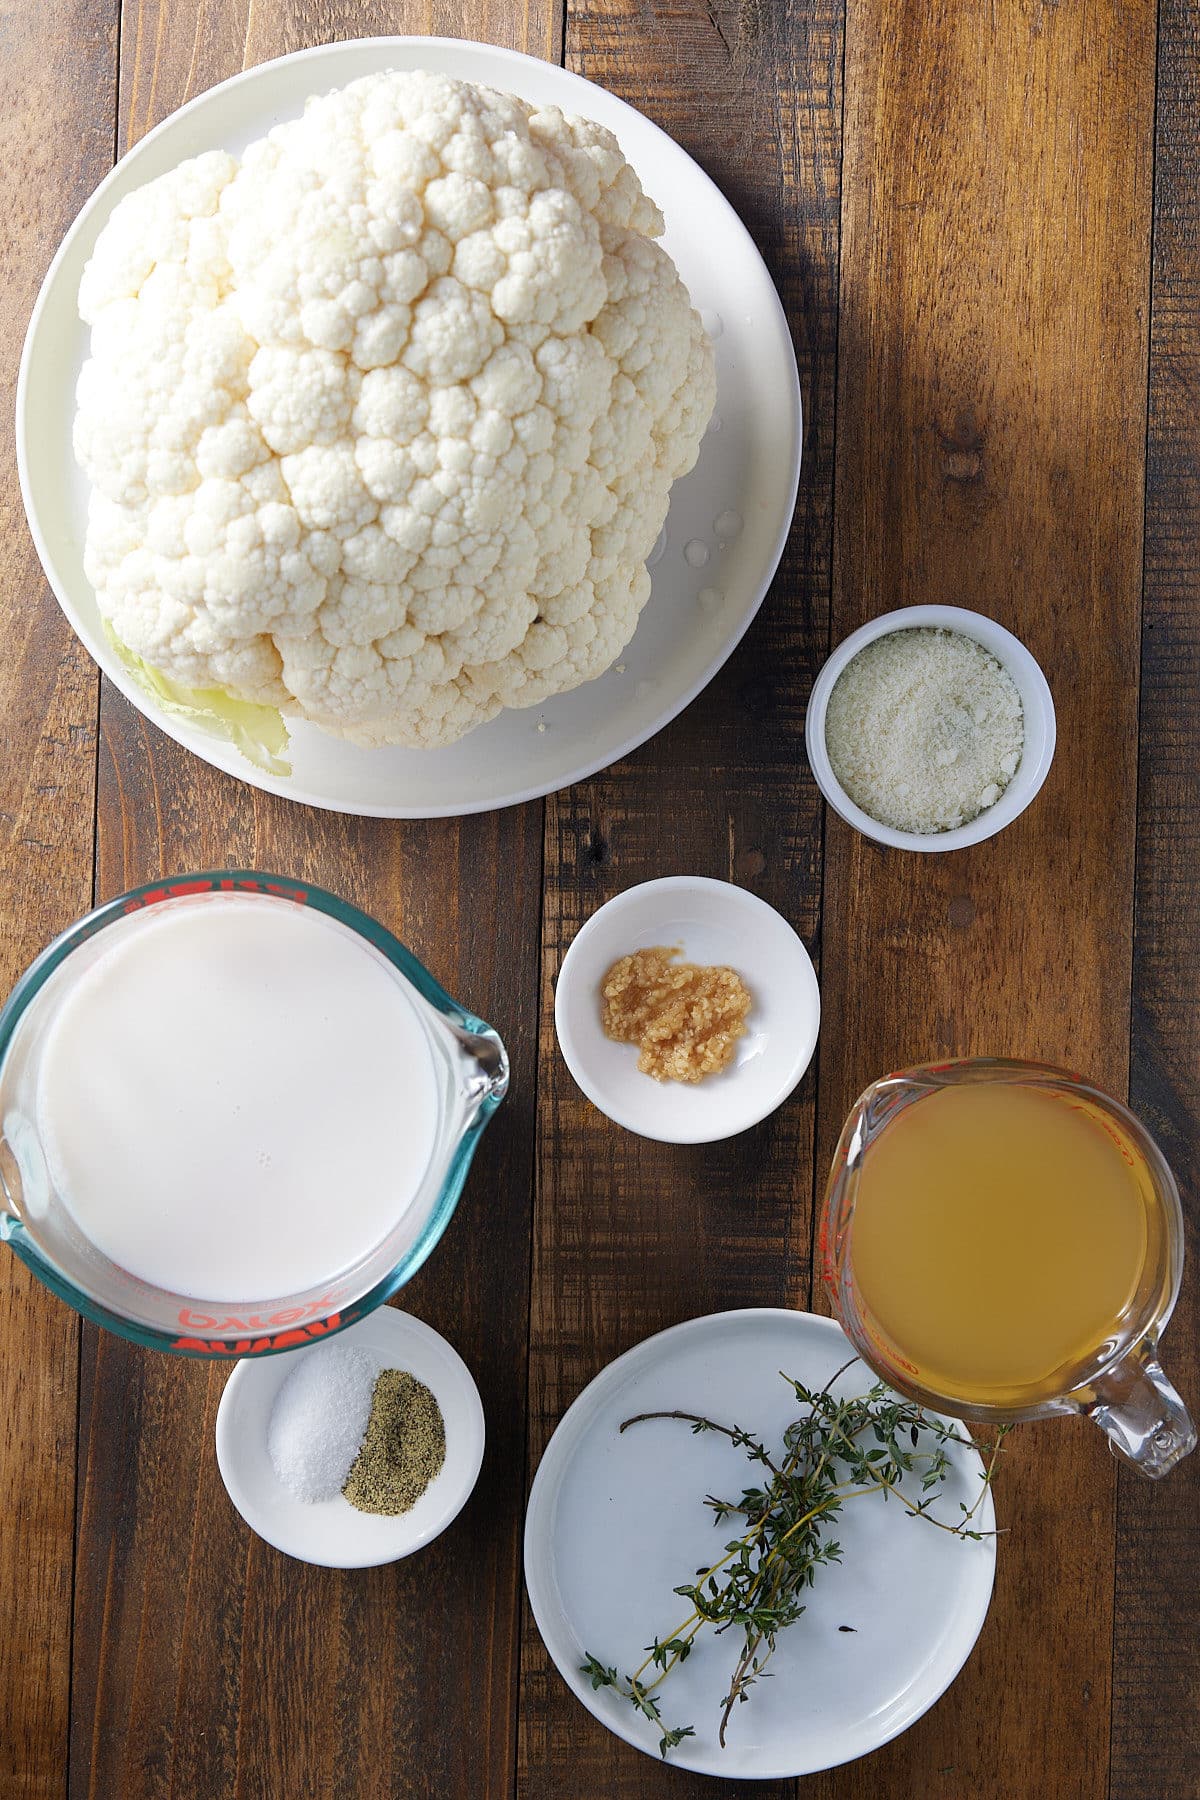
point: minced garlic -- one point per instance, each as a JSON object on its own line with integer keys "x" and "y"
{"x": 685, "y": 1017}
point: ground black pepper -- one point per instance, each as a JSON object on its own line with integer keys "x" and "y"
{"x": 404, "y": 1446}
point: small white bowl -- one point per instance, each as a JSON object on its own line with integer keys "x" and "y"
{"x": 712, "y": 922}
{"x": 1036, "y": 703}
{"x": 332, "y": 1532}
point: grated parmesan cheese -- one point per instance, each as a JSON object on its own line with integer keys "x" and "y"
{"x": 924, "y": 729}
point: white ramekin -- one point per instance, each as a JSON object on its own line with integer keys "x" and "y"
{"x": 1036, "y": 703}
{"x": 711, "y": 922}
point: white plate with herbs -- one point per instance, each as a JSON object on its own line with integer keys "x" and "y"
{"x": 331, "y": 1532}
{"x": 728, "y": 520}
{"x": 618, "y": 1520}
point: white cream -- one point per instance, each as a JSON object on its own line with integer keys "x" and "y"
{"x": 238, "y": 1099}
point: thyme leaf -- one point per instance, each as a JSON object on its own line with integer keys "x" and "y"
{"x": 836, "y": 1450}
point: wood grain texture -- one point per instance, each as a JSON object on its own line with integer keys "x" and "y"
{"x": 632, "y": 1236}
{"x": 57, "y": 83}
{"x": 983, "y": 351}
{"x": 207, "y": 1666}
{"x": 1156, "y": 1650}
{"x": 172, "y": 51}
{"x": 991, "y": 416}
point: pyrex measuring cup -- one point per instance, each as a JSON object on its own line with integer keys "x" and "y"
{"x": 470, "y": 1077}
{"x": 1119, "y": 1383}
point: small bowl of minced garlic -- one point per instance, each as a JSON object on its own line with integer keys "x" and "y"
{"x": 930, "y": 728}
{"x": 687, "y": 1009}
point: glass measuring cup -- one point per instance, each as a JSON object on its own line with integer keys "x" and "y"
{"x": 1119, "y": 1383}
{"x": 470, "y": 1078}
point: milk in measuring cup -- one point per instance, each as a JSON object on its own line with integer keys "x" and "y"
{"x": 238, "y": 1098}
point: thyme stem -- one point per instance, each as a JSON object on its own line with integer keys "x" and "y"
{"x": 836, "y": 1450}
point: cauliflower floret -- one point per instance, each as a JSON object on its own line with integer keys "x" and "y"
{"x": 381, "y": 421}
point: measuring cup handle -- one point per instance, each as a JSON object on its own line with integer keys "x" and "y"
{"x": 1146, "y": 1422}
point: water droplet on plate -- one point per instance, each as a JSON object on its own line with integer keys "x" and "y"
{"x": 643, "y": 688}
{"x": 727, "y": 524}
{"x": 696, "y": 553}
{"x": 714, "y": 425}
{"x": 711, "y": 599}
{"x": 712, "y": 322}
{"x": 660, "y": 544}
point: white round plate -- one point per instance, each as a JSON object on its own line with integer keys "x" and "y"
{"x": 616, "y": 1521}
{"x": 702, "y": 601}
{"x": 711, "y": 922}
{"x": 332, "y": 1532}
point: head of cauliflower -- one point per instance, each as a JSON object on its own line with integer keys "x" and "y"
{"x": 381, "y": 420}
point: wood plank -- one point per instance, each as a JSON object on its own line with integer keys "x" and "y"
{"x": 171, "y": 51}
{"x": 632, "y": 1236}
{"x": 206, "y": 1663}
{"x": 57, "y": 104}
{"x": 991, "y": 412}
{"x": 1156, "y": 1664}
{"x": 208, "y": 1666}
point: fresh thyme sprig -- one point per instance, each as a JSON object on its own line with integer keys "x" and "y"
{"x": 836, "y": 1450}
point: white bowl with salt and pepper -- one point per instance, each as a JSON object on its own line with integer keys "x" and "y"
{"x": 330, "y": 1531}
{"x": 1037, "y": 706}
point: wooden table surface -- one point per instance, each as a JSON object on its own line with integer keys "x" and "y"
{"x": 984, "y": 222}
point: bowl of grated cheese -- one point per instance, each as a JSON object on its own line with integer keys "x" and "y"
{"x": 930, "y": 728}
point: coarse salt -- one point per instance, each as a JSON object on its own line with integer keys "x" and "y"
{"x": 924, "y": 729}
{"x": 319, "y": 1419}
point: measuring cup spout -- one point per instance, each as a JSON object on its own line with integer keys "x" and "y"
{"x": 1144, "y": 1419}
{"x": 881, "y": 1101}
{"x": 10, "y": 1188}
{"x": 487, "y": 1065}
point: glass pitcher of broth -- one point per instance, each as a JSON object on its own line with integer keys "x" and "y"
{"x": 1004, "y": 1241}
{"x": 236, "y": 1114}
